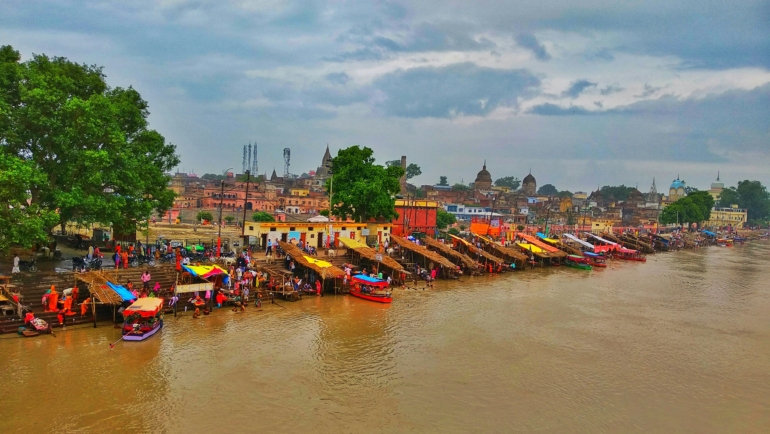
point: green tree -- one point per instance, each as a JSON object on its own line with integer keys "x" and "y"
{"x": 262, "y": 216}
{"x": 684, "y": 210}
{"x": 704, "y": 201}
{"x": 412, "y": 169}
{"x": 324, "y": 212}
{"x": 508, "y": 181}
{"x": 213, "y": 177}
{"x": 751, "y": 195}
{"x": 453, "y": 231}
{"x": 21, "y": 224}
{"x": 460, "y": 187}
{"x": 229, "y": 219}
{"x": 362, "y": 189}
{"x": 204, "y": 215}
{"x": 90, "y": 143}
{"x": 547, "y": 190}
{"x": 444, "y": 219}
{"x": 619, "y": 192}
{"x": 442, "y": 180}
{"x": 565, "y": 193}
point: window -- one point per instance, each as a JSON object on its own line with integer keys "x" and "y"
{"x": 344, "y": 229}
{"x": 358, "y": 228}
{"x": 272, "y": 229}
{"x": 309, "y": 229}
{"x": 251, "y": 228}
{"x": 292, "y": 229}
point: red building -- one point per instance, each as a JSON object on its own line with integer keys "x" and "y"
{"x": 415, "y": 216}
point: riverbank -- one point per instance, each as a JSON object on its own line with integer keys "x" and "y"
{"x": 679, "y": 344}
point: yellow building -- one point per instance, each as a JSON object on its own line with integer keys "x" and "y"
{"x": 733, "y": 216}
{"x": 602, "y": 225}
{"x": 302, "y": 192}
{"x": 565, "y": 204}
{"x": 314, "y": 233}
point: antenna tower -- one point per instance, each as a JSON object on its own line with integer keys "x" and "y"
{"x": 287, "y": 160}
{"x": 244, "y": 159}
{"x": 248, "y": 163}
{"x": 254, "y": 165}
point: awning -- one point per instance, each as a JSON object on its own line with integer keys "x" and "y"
{"x": 124, "y": 293}
{"x": 367, "y": 280}
{"x": 592, "y": 255}
{"x": 318, "y": 262}
{"x": 543, "y": 237}
{"x": 148, "y": 306}
{"x": 579, "y": 241}
{"x": 709, "y": 233}
{"x": 600, "y": 239}
{"x": 206, "y": 271}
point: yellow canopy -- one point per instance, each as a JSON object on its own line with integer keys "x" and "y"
{"x": 550, "y": 240}
{"x": 353, "y": 244}
{"x": 460, "y": 239}
{"x": 531, "y": 247}
{"x": 318, "y": 262}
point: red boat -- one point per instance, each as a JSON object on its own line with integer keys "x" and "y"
{"x": 629, "y": 255}
{"x": 595, "y": 260}
{"x": 370, "y": 288}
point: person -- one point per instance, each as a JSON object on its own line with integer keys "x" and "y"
{"x": 90, "y": 252}
{"x": 28, "y": 318}
{"x": 146, "y": 279}
{"x": 156, "y": 288}
{"x": 220, "y": 298}
{"x": 68, "y": 306}
{"x": 15, "y": 264}
{"x": 197, "y": 313}
{"x": 318, "y": 287}
{"x": 53, "y": 300}
{"x": 60, "y": 317}
{"x": 75, "y": 293}
{"x": 124, "y": 258}
{"x": 178, "y": 261}
{"x": 97, "y": 252}
{"x": 84, "y": 306}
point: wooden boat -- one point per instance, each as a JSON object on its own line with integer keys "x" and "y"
{"x": 575, "y": 261}
{"x": 370, "y": 288}
{"x": 143, "y": 319}
{"x": 595, "y": 260}
{"x": 724, "y": 242}
{"x": 629, "y": 255}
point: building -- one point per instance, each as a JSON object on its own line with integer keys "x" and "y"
{"x": 483, "y": 179}
{"x": 677, "y": 190}
{"x": 716, "y": 188}
{"x": 315, "y": 233}
{"x": 529, "y": 185}
{"x": 722, "y": 217}
{"x": 467, "y": 212}
{"x": 415, "y": 216}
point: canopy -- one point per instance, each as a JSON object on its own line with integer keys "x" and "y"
{"x": 625, "y": 250}
{"x": 575, "y": 257}
{"x": 323, "y": 268}
{"x": 146, "y": 307}
{"x": 548, "y": 248}
{"x": 353, "y": 244}
{"x": 592, "y": 255}
{"x": 531, "y": 247}
{"x": 543, "y": 237}
{"x": 579, "y": 241}
{"x": 600, "y": 239}
{"x": 206, "y": 271}
{"x": 371, "y": 254}
{"x": 124, "y": 293}
{"x": 371, "y": 281}
{"x": 709, "y": 233}
{"x": 318, "y": 262}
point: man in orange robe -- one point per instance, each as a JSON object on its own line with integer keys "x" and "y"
{"x": 124, "y": 257}
{"x": 84, "y": 306}
{"x": 53, "y": 300}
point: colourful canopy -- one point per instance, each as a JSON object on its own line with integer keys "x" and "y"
{"x": 146, "y": 307}
{"x": 124, "y": 293}
{"x": 371, "y": 281}
{"x": 318, "y": 262}
{"x": 206, "y": 271}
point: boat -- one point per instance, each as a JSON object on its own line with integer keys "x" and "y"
{"x": 596, "y": 260}
{"x": 370, "y": 288}
{"x": 143, "y": 319}
{"x": 629, "y": 255}
{"x": 724, "y": 242}
{"x": 576, "y": 261}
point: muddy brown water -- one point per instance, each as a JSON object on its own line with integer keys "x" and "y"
{"x": 679, "y": 344}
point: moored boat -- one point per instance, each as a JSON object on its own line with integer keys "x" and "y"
{"x": 629, "y": 255}
{"x": 143, "y": 319}
{"x": 370, "y": 288}
{"x": 580, "y": 262}
{"x": 595, "y": 260}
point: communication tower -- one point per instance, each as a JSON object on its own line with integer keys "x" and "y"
{"x": 287, "y": 160}
{"x": 244, "y": 159}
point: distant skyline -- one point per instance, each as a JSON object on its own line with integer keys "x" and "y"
{"x": 606, "y": 93}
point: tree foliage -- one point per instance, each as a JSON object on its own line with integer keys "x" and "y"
{"x": 213, "y": 177}
{"x": 444, "y": 219}
{"x": 412, "y": 169}
{"x": 684, "y": 210}
{"x": 565, "y": 193}
{"x": 751, "y": 195}
{"x": 619, "y": 192}
{"x": 704, "y": 201}
{"x": 90, "y": 144}
{"x": 547, "y": 190}
{"x": 442, "y": 180}
{"x": 20, "y": 223}
{"x": 262, "y": 216}
{"x": 508, "y": 181}
{"x": 460, "y": 187}
{"x": 362, "y": 189}
{"x": 204, "y": 215}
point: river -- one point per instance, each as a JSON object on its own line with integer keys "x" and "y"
{"x": 679, "y": 344}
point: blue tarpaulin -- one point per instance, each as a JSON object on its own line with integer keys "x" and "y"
{"x": 709, "y": 233}
{"x": 592, "y": 255}
{"x": 122, "y": 292}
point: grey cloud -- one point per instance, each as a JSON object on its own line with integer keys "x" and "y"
{"x": 530, "y": 42}
{"x": 548, "y": 109}
{"x": 576, "y": 88}
{"x": 610, "y": 89}
{"x": 454, "y": 90}
{"x": 648, "y": 91}
{"x": 338, "y": 78}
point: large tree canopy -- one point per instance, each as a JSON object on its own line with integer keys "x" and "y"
{"x": 619, "y": 192}
{"x": 362, "y": 189}
{"x": 547, "y": 190}
{"x": 444, "y": 219}
{"x": 683, "y": 210}
{"x": 508, "y": 181}
{"x": 751, "y": 195}
{"x": 89, "y": 145}
{"x": 704, "y": 201}
{"x": 412, "y": 169}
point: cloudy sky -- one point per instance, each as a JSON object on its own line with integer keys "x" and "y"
{"x": 609, "y": 92}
